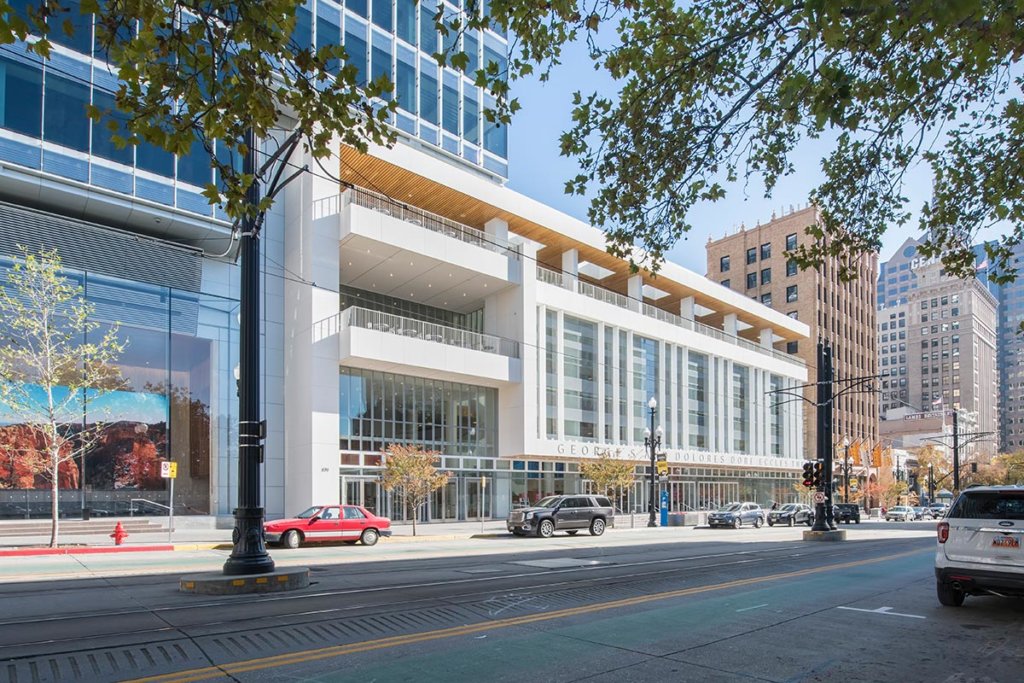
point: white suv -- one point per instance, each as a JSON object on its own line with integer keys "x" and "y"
{"x": 979, "y": 550}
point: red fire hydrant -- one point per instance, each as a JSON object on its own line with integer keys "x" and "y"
{"x": 119, "y": 534}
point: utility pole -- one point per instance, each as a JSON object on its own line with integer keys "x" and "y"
{"x": 249, "y": 555}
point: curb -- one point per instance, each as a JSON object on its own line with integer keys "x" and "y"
{"x": 85, "y": 550}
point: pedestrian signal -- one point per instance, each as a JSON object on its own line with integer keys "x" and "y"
{"x": 808, "y": 474}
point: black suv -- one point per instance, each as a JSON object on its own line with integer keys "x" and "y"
{"x": 563, "y": 513}
{"x": 846, "y": 512}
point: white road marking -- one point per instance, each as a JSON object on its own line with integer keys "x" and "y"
{"x": 747, "y": 609}
{"x": 883, "y": 610}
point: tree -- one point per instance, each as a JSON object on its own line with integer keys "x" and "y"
{"x": 1013, "y": 464}
{"x": 49, "y": 366}
{"x": 410, "y": 473}
{"x": 934, "y": 458}
{"x": 714, "y": 91}
{"x": 608, "y": 472}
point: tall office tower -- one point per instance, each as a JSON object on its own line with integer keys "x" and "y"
{"x": 753, "y": 261}
{"x": 1011, "y": 360}
{"x": 951, "y": 349}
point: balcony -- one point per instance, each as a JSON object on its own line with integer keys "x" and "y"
{"x": 553, "y": 277}
{"x": 376, "y": 340}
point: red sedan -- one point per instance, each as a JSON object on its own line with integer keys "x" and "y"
{"x": 349, "y": 523}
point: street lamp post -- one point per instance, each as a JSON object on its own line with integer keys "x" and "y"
{"x": 846, "y": 470}
{"x": 652, "y": 440}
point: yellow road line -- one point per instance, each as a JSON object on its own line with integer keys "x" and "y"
{"x": 396, "y": 641}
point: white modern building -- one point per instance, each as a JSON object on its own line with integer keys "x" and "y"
{"x": 453, "y": 313}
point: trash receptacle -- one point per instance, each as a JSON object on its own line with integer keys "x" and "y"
{"x": 86, "y": 514}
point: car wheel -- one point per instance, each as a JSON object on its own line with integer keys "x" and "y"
{"x": 857, "y": 521}
{"x": 737, "y": 523}
{"x": 757, "y": 523}
{"x": 369, "y": 537}
{"x": 597, "y": 527}
{"x": 791, "y": 522}
{"x": 771, "y": 523}
{"x": 573, "y": 532}
{"x": 518, "y": 533}
{"x": 546, "y": 528}
{"x": 949, "y": 596}
{"x": 291, "y": 539}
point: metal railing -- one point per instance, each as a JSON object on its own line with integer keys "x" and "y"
{"x": 355, "y": 316}
{"x": 559, "y": 279}
{"x": 133, "y": 501}
{"x": 411, "y": 214}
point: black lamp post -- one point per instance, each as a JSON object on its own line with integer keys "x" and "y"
{"x": 652, "y": 440}
{"x": 846, "y": 470}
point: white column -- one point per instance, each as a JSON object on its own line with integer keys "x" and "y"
{"x": 560, "y": 374}
{"x": 497, "y": 230}
{"x": 729, "y": 324}
{"x": 516, "y": 317}
{"x": 686, "y": 305}
{"x": 767, "y": 335}
{"x": 311, "y": 364}
{"x": 570, "y": 268}
{"x": 635, "y": 290}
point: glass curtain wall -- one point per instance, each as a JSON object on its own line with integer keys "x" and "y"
{"x": 381, "y": 408}
{"x": 740, "y": 408}
{"x": 551, "y": 373}
{"x": 698, "y": 399}
{"x": 579, "y": 355}
{"x": 775, "y": 401}
{"x": 646, "y": 379}
{"x": 177, "y": 403}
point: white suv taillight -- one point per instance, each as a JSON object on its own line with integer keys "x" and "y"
{"x": 943, "y": 531}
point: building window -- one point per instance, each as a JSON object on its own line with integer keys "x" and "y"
{"x": 751, "y": 280}
{"x": 726, "y": 282}
{"x": 698, "y": 399}
{"x": 766, "y": 299}
{"x": 751, "y": 255}
{"x": 766, "y": 276}
{"x": 791, "y": 242}
{"x": 723, "y": 264}
{"x": 791, "y": 294}
{"x": 790, "y": 268}
{"x": 792, "y": 347}
{"x": 794, "y": 315}
{"x": 766, "y": 251}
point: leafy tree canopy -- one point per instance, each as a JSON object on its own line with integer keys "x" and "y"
{"x": 714, "y": 91}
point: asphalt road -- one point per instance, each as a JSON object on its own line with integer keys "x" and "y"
{"x": 721, "y": 606}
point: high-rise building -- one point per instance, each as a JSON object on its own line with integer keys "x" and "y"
{"x": 753, "y": 261}
{"x": 422, "y": 303}
{"x": 1011, "y": 360}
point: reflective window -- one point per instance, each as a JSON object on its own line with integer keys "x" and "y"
{"x": 450, "y": 103}
{"x": 382, "y": 14}
{"x": 102, "y": 146}
{"x": 428, "y": 29}
{"x": 697, "y": 388}
{"x": 740, "y": 408}
{"x": 355, "y": 49}
{"x": 405, "y": 80}
{"x": 64, "y": 116}
{"x": 428, "y": 91}
{"x": 380, "y": 60}
{"x": 579, "y": 354}
{"x": 471, "y": 116}
{"x": 406, "y": 24}
{"x": 302, "y": 34}
{"x": 22, "y": 92}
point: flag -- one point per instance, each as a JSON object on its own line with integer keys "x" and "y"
{"x": 876, "y": 455}
{"x": 937, "y": 402}
{"x": 983, "y": 265}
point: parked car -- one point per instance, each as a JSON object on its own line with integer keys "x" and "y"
{"x": 736, "y": 515}
{"x": 349, "y": 523}
{"x": 899, "y": 513}
{"x": 563, "y": 513}
{"x": 979, "y": 545}
{"x": 923, "y": 513}
{"x": 938, "y": 509}
{"x": 790, "y": 514}
{"x": 846, "y": 512}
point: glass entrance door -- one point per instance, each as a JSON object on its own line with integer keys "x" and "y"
{"x": 363, "y": 491}
{"x": 478, "y": 498}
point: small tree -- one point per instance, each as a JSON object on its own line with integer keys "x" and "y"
{"x": 48, "y": 368}
{"x": 409, "y": 471}
{"x": 608, "y": 472}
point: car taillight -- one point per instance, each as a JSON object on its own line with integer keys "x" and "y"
{"x": 943, "y": 531}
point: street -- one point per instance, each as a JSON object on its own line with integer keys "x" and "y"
{"x": 638, "y": 605}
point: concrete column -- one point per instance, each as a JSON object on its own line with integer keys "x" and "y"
{"x": 767, "y": 335}
{"x": 570, "y": 267}
{"x": 635, "y": 290}
{"x": 311, "y": 365}
{"x": 497, "y": 230}
{"x": 686, "y": 308}
{"x": 729, "y": 324}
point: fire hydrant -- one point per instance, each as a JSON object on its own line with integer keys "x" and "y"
{"x": 119, "y": 534}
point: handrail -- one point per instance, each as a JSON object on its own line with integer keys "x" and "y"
{"x": 559, "y": 279}
{"x": 380, "y": 203}
{"x": 357, "y": 316}
{"x": 131, "y": 505}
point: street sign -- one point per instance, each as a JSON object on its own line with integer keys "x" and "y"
{"x": 663, "y": 478}
{"x": 169, "y": 470}
{"x": 662, "y": 468}
{"x": 819, "y": 496}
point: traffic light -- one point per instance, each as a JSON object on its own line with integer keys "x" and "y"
{"x": 816, "y": 480}
{"x": 808, "y": 474}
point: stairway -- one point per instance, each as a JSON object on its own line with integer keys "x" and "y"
{"x": 76, "y": 527}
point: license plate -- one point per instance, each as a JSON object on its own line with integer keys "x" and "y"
{"x": 1005, "y": 542}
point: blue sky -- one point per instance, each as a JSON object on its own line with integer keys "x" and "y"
{"x": 538, "y": 171}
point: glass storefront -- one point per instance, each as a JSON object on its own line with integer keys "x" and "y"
{"x": 176, "y": 404}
